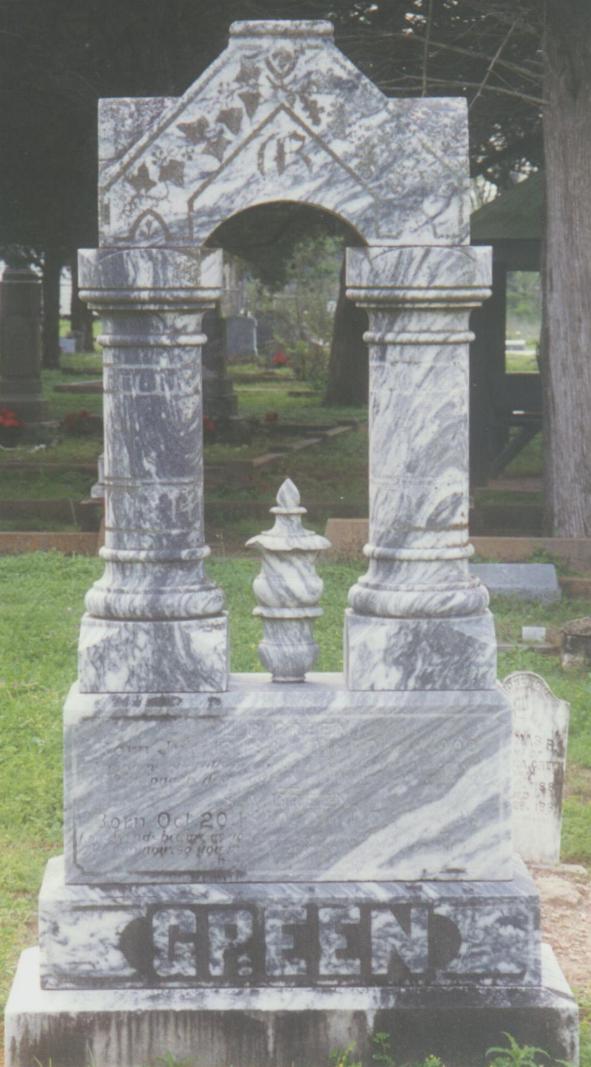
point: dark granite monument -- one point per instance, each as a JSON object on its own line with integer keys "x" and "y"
{"x": 259, "y": 872}
{"x": 20, "y": 347}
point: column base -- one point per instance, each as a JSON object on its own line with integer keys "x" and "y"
{"x": 281, "y": 1027}
{"x": 143, "y": 656}
{"x": 408, "y": 654}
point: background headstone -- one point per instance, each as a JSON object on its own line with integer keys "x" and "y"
{"x": 219, "y": 399}
{"x": 540, "y": 732}
{"x": 20, "y": 345}
{"x": 241, "y": 336}
{"x": 524, "y": 581}
{"x": 575, "y": 644}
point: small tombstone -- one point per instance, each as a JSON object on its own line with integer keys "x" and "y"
{"x": 241, "y": 336}
{"x": 219, "y": 400}
{"x": 540, "y": 732}
{"x": 575, "y": 643}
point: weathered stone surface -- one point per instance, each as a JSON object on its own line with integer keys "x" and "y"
{"x": 540, "y": 734}
{"x": 418, "y": 585}
{"x": 277, "y": 107}
{"x": 575, "y": 643}
{"x": 154, "y": 621}
{"x": 524, "y": 581}
{"x": 280, "y": 1027}
{"x": 386, "y": 933}
{"x": 420, "y": 654}
{"x": 282, "y": 782}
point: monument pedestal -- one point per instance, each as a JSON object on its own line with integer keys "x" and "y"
{"x": 281, "y": 1027}
{"x": 259, "y": 874}
{"x": 271, "y": 782}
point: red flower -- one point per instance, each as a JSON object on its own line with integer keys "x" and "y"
{"x": 10, "y": 419}
{"x": 279, "y": 359}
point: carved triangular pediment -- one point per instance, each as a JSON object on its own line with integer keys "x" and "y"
{"x": 283, "y": 115}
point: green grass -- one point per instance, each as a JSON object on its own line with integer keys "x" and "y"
{"x": 44, "y": 485}
{"x": 346, "y": 456}
{"x": 521, "y": 363}
{"x": 529, "y": 462}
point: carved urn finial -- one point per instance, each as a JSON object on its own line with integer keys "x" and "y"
{"x": 288, "y": 589}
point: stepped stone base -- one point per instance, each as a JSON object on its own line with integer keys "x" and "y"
{"x": 291, "y": 934}
{"x": 280, "y": 1027}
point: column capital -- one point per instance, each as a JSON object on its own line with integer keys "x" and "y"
{"x": 151, "y": 277}
{"x": 408, "y": 276}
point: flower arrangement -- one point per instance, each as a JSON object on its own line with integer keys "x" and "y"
{"x": 11, "y": 428}
{"x": 279, "y": 359}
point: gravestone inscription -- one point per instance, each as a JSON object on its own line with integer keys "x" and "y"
{"x": 540, "y": 733}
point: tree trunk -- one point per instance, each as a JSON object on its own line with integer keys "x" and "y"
{"x": 566, "y": 334}
{"x": 52, "y": 266}
{"x": 348, "y": 368}
{"x": 81, "y": 316}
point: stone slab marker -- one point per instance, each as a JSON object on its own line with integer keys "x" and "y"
{"x": 20, "y": 346}
{"x": 540, "y": 733}
{"x": 261, "y": 872}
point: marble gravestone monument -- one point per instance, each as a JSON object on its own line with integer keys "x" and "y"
{"x": 540, "y": 732}
{"x": 259, "y": 872}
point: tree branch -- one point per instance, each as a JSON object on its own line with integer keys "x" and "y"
{"x": 426, "y": 47}
{"x": 491, "y": 65}
{"x": 537, "y": 101}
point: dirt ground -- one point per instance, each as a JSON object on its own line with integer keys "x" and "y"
{"x": 565, "y": 893}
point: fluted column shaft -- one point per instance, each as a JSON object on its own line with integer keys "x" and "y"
{"x": 418, "y": 301}
{"x": 154, "y": 592}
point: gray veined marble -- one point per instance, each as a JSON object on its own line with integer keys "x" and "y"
{"x": 297, "y": 933}
{"x": 154, "y": 621}
{"x": 288, "y": 589}
{"x": 331, "y": 860}
{"x": 418, "y": 619}
{"x": 284, "y": 783}
{"x": 283, "y": 115}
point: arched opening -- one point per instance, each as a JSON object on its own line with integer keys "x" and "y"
{"x": 292, "y": 256}
{"x": 308, "y": 374}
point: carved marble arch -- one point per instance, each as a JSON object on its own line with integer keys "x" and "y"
{"x": 282, "y": 114}
{"x": 274, "y": 221}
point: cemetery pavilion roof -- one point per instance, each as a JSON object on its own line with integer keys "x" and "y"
{"x": 514, "y": 215}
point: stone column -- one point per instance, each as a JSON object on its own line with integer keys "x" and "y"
{"x": 20, "y": 345}
{"x": 154, "y": 622}
{"x": 417, "y": 619}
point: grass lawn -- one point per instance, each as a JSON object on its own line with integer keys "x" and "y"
{"x": 341, "y": 471}
{"x": 42, "y": 597}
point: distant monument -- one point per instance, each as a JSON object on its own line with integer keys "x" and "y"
{"x": 257, "y": 872}
{"x": 20, "y": 347}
